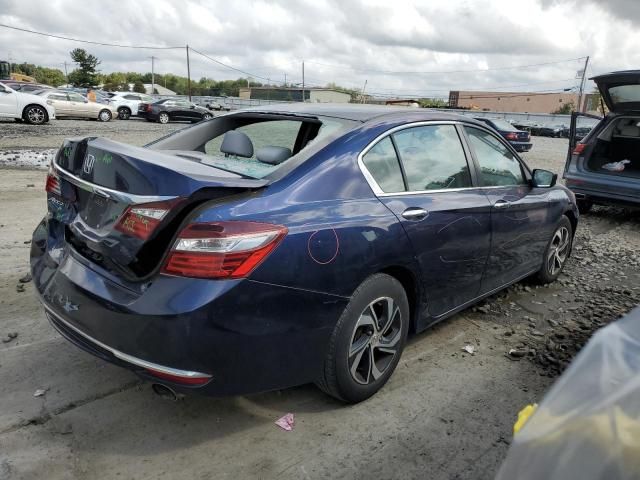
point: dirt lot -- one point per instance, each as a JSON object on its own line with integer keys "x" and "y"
{"x": 445, "y": 414}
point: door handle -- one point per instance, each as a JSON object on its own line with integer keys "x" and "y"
{"x": 502, "y": 204}
{"x": 414, "y": 213}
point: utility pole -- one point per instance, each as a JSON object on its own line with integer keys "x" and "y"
{"x": 303, "y": 80}
{"x": 188, "y": 75}
{"x": 153, "y": 76}
{"x": 584, "y": 73}
{"x": 362, "y": 93}
{"x": 285, "y": 79}
{"x": 65, "y": 72}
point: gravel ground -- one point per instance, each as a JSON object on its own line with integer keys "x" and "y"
{"x": 445, "y": 414}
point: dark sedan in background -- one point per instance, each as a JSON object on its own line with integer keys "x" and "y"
{"x": 519, "y": 139}
{"x": 173, "y": 109}
{"x": 288, "y": 244}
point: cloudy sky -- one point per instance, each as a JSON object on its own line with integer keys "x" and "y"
{"x": 411, "y": 48}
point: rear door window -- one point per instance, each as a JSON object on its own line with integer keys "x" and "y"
{"x": 433, "y": 158}
{"x": 498, "y": 166}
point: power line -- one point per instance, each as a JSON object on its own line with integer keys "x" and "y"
{"x": 390, "y": 72}
{"x": 87, "y": 41}
{"x": 227, "y": 66}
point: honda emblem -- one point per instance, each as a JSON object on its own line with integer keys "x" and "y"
{"x": 87, "y": 166}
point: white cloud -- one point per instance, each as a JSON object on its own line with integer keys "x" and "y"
{"x": 342, "y": 41}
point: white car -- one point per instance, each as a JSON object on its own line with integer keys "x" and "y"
{"x": 24, "y": 106}
{"x": 74, "y": 105}
{"x": 126, "y": 103}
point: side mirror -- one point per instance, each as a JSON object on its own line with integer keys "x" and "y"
{"x": 192, "y": 106}
{"x": 544, "y": 178}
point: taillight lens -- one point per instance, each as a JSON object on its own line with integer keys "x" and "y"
{"x": 511, "y": 136}
{"x": 579, "y": 148}
{"x": 141, "y": 220}
{"x": 230, "y": 249}
{"x": 52, "y": 184}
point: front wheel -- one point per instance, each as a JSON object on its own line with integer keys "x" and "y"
{"x": 367, "y": 341}
{"x": 104, "y": 115}
{"x": 207, "y": 116}
{"x": 557, "y": 252}
{"x": 163, "y": 117}
{"x": 35, "y": 115}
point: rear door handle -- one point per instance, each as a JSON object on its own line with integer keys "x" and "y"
{"x": 414, "y": 213}
{"x": 502, "y": 204}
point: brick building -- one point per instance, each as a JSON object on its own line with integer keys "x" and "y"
{"x": 525, "y": 102}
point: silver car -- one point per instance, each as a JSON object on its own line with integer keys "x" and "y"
{"x": 72, "y": 104}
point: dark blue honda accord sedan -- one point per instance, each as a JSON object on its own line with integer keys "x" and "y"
{"x": 274, "y": 247}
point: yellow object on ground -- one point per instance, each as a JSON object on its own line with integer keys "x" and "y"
{"x": 523, "y": 416}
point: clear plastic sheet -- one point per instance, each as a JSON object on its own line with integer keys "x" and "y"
{"x": 588, "y": 425}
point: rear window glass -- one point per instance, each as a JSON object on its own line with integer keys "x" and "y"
{"x": 278, "y": 133}
{"x": 271, "y": 133}
{"x": 503, "y": 125}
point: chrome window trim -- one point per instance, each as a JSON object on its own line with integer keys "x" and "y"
{"x": 380, "y": 193}
{"x": 108, "y": 192}
{"x": 126, "y": 357}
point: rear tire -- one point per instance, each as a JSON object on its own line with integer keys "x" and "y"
{"x": 367, "y": 341}
{"x": 584, "y": 206}
{"x": 207, "y": 116}
{"x": 35, "y": 115}
{"x": 124, "y": 113}
{"x": 104, "y": 115}
{"x": 557, "y": 252}
{"x": 163, "y": 118}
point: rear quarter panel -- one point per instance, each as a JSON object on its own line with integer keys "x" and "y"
{"x": 339, "y": 232}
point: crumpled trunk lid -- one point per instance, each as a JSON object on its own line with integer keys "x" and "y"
{"x": 100, "y": 181}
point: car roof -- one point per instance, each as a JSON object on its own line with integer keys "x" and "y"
{"x": 356, "y": 112}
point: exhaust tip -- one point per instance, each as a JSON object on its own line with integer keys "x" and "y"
{"x": 165, "y": 392}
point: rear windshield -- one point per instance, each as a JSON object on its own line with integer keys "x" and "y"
{"x": 504, "y": 125}
{"x": 285, "y": 134}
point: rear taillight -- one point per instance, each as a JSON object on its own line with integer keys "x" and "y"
{"x": 52, "y": 184}
{"x": 579, "y": 148}
{"x": 141, "y": 220}
{"x": 230, "y": 249}
{"x": 511, "y": 136}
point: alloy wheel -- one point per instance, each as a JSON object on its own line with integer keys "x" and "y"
{"x": 105, "y": 116}
{"x": 558, "y": 250}
{"x": 207, "y": 116}
{"x": 35, "y": 115}
{"x": 375, "y": 340}
{"x": 163, "y": 118}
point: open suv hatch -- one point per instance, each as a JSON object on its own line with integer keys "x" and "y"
{"x": 604, "y": 167}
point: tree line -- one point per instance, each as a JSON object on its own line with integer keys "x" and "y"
{"x": 87, "y": 75}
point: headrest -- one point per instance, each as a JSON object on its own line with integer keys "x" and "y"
{"x": 237, "y": 143}
{"x": 273, "y": 155}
